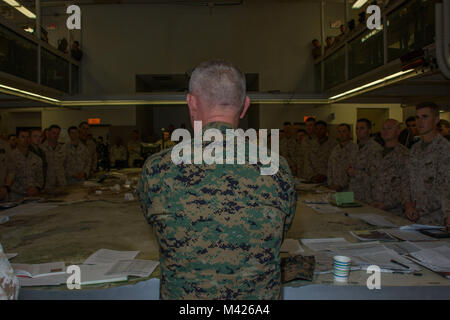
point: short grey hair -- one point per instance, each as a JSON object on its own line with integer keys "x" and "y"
{"x": 218, "y": 82}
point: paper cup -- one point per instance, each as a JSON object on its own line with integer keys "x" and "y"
{"x": 341, "y": 268}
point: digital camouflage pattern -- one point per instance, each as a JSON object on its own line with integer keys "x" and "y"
{"x": 365, "y": 163}
{"x": 340, "y": 158}
{"x": 41, "y": 154}
{"x": 297, "y": 267}
{"x": 219, "y": 227}
{"x": 390, "y": 184}
{"x": 77, "y": 159}
{"x": 9, "y": 284}
{"x": 4, "y": 161}
{"x": 117, "y": 153}
{"x": 56, "y": 175}
{"x": 316, "y": 160}
{"x": 26, "y": 171}
{"x": 429, "y": 180}
{"x": 307, "y": 146}
{"x": 92, "y": 151}
{"x": 288, "y": 149}
{"x": 134, "y": 152}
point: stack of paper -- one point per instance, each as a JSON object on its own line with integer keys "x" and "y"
{"x": 103, "y": 256}
{"x": 421, "y": 227}
{"x": 409, "y": 235}
{"x": 367, "y": 254}
{"x": 437, "y": 259}
{"x": 372, "y": 235}
{"x": 323, "y": 244}
{"x": 28, "y": 209}
{"x": 373, "y": 219}
{"x": 136, "y": 268}
{"x": 38, "y": 270}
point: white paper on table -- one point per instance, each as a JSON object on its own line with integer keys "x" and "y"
{"x": 323, "y": 243}
{"x": 373, "y": 219}
{"x": 383, "y": 260}
{"x": 39, "y": 270}
{"x": 93, "y": 274}
{"x": 28, "y": 209}
{"x": 324, "y": 208}
{"x": 137, "y": 268}
{"x": 103, "y": 256}
{"x": 431, "y": 244}
{"x": 291, "y": 246}
{"x": 11, "y": 255}
{"x": 409, "y": 235}
{"x": 402, "y": 247}
{"x": 360, "y": 248}
{"x": 437, "y": 259}
{"x": 420, "y": 226}
{"x": 52, "y": 280}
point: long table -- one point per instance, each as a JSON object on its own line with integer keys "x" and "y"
{"x": 83, "y": 222}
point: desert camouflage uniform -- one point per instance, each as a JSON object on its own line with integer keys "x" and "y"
{"x": 9, "y": 284}
{"x": 316, "y": 161}
{"x": 365, "y": 163}
{"x": 26, "y": 171}
{"x": 92, "y": 150}
{"x": 41, "y": 154}
{"x": 429, "y": 180}
{"x": 390, "y": 182}
{"x": 307, "y": 146}
{"x": 5, "y": 153}
{"x": 288, "y": 149}
{"x": 77, "y": 159}
{"x": 56, "y": 176}
{"x": 134, "y": 152}
{"x": 219, "y": 227}
{"x": 117, "y": 153}
{"x": 339, "y": 159}
{"x": 167, "y": 144}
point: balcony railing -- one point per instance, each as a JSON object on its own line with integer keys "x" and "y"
{"x": 19, "y": 56}
{"x": 409, "y": 26}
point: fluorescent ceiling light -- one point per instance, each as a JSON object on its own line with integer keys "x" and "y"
{"x": 26, "y": 12}
{"x": 12, "y": 3}
{"x": 371, "y": 84}
{"x": 20, "y": 8}
{"x": 29, "y": 29}
{"x": 358, "y": 4}
{"x": 29, "y": 94}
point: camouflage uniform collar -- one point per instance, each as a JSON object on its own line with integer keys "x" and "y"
{"x": 222, "y": 126}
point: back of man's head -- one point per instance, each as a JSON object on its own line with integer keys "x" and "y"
{"x": 218, "y": 83}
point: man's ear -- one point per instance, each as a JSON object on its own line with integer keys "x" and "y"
{"x": 246, "y": 105}
{"x": 192, "y": 105}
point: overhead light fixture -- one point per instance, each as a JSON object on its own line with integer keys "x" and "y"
{"x": 20, "y": 8}
{"x": 27, "y": 94}
{"x": 12, "y": 3}
{"x": 371, "y": 84}
{"x": 26, "y": 12}
{"x": 358, "y": 4}
{"x": 29, "y": 29}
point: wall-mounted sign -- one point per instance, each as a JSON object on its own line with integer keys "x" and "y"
{"x": 94, "y": 120}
